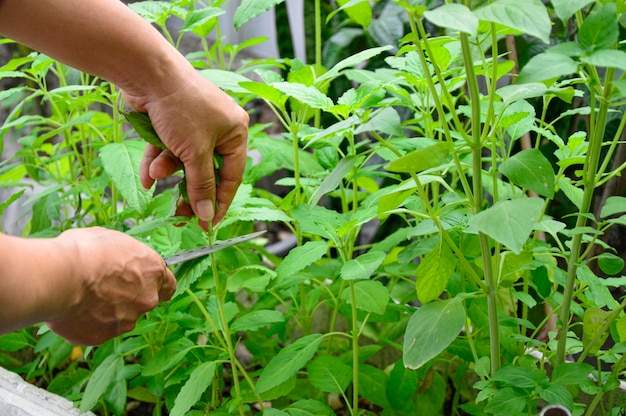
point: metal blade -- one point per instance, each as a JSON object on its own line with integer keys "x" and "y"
{"x": 203, "y": 251}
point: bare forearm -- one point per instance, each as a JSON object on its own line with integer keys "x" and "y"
{"x": 35, "y": 280}
{"x": 101, "y": 37}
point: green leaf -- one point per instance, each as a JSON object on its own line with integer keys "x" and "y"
{"x": 530, "y": 169}
{"x": 169, "y": 356}
{"x": 610, "y": 263}
{"x": 202, "y": 21}
{"x": 143, "y": 126}
{"x": 358, "y": 10}
{"x": 559, "y": 395}
{"x": 329, "y": 374}
{"x": 509, "y": 222}
{"x": 227, "y": 80}
{"x": 431, "y": 329}
{"x": 516, "y": 92}
{"x": 288, "y": 361}
{"x": 370, "y": 296}
{"x": 520, "y": 377}
{"x": 310, "y": 96}
{"x": 571, "y": 373}
{"x": 455, "y": 17}
{"x": 257, "y": 319}
{"x": 363, "y": 266}
{"x": 100, "y": 380}
{"x": 309, "y": 407}
{"x": 507, "y": 401}
{"x": 528, "y": 16}
{"x": 421, "y": 159}
{"x": 14, "y": 341}
{"x": 266, "y": 92}
{"x": 593, "y": 321}
{"x": 401, "y": 386}
{"x": 199, "y": 380}
{"x": 249, "y": 9}
{"x": 332, "y": 181}
{"x": 566, "y": 8}
{"x": 301, "y": 257}
{"x": 600, "y": 29}
{"x": 434, "y": 272}
{"x": 613, "y": 205}
{"x": 14, "y": 197}
{"x": 121, "y": 163}
{"x": 546, "y": 66}
{"x": 385, "y": 121}
{"x": 351, "y": 61}
{"x": 373, "y": 385}
{"x": 573, "y": 193}
{"x": 189, "y": 272}
{"x": 608, "y": 58}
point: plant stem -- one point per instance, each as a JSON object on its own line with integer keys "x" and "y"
{"x": 477, "y": 188}
{"x": 597, "y": 128}
{"x": 355, "y": 352}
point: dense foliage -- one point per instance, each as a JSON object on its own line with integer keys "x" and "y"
{"x": 450, "y": 218}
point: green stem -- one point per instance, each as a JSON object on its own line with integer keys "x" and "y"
{"x": 597, "y": 128}
{"x": 492, "y": 303}
{"x": 355, "y": 352}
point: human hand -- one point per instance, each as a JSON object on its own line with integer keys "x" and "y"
{"x": 193, "y": 122}
{"x": 114, "y": 280}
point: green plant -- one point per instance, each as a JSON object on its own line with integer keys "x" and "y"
{"x": 480, "y": 202}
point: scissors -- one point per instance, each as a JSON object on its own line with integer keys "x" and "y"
{"x": 211, "y": 248}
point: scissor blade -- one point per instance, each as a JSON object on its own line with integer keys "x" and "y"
{"x": 203, "y": 251}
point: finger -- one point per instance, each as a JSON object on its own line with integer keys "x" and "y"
{"x": 164, "y": 165}
{"x": 149, "y": 155}
{"x": 225, "y": 194}
{"x": 231, "y": 175}
{"x": 201, "y": 187}
{"x": 168, "y": 286}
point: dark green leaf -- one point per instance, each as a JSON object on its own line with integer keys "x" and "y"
{"x": 431, "y": 329}
{"x": 373, "y": 385}
{"x": 608, "y": 58}
{"x": 610, "y": 263}
{"x": 600, "y": 29}
{"x": 402, "y": 386}
{"x": 199, "y": 380}
{"x": 507, "y": 401}
{"x": 329, "y": 374}
{"x": 571, "y": 373}
{"x": 558, "y": 395}
{"x": 421, "y": 159}
{"x": 509, "y": 222}
{"x": 613, "y": 205}
{"x": 520, "y": 377}
{"x": 288, "y": 361}
{"x": 332, "y": 181}
{"x": 566, "y": 8}
{"x": 256, "y": 320}
{"x": 143, "y": 126}
{"x": 530, "y": 169}
{"x": 100, "y": 380}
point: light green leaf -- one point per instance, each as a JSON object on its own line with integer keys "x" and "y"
{"x": 358, "y": 10}
{"x": 558, "y": 395}
{"x": 522, "y": 377}
{"x": 385, "y": 121}
{"x": 121, "y": 163}
{"x": 434, "y": 272}
{"x": 593, "y": 321}
{"x": 600, "y": 29}
{"x": 421, "y": 159}
{"x": 332, "y": 181}
{"x": 608, "y": 58}
{"x": 613, "y": 205}
{"x": 257, "y": 319}
{"x": 370, "y": 296}
{"x": 454, "y": 16}
{"x": 431, "y": 329}
{"x": 301, "y": 257}
{"x": 199, "y": 380}
{"x": 310, "y": 96}
{"x": 169, "y": 356}
{"x": 573, "y": 193}
{"x": 373, "y": 385}
{"x": 528, "y": 16}
{"x": 545, "y": 66}
{"x": 363, "y": 266}
{"x": 227, "y": 80}
{"x": 265, "y": 92}
{"x": 566, "y": 8}
{"x": 100, "y": 380}
{"x": 249, "y": 9}
{"x": 202, "y": 21}
{"x": 288, "y": 361}
{"x": 516, "y": 92}
{"x": 329, "y": 374}
{"x": 530, "y": 169}
{"x": 351, "y": 61}
{"x": 509, "y": 222}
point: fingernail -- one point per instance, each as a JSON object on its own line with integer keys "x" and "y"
{"x": 204, "y": 210}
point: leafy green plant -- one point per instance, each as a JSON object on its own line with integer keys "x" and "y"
{"x": 445, "y": 257}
